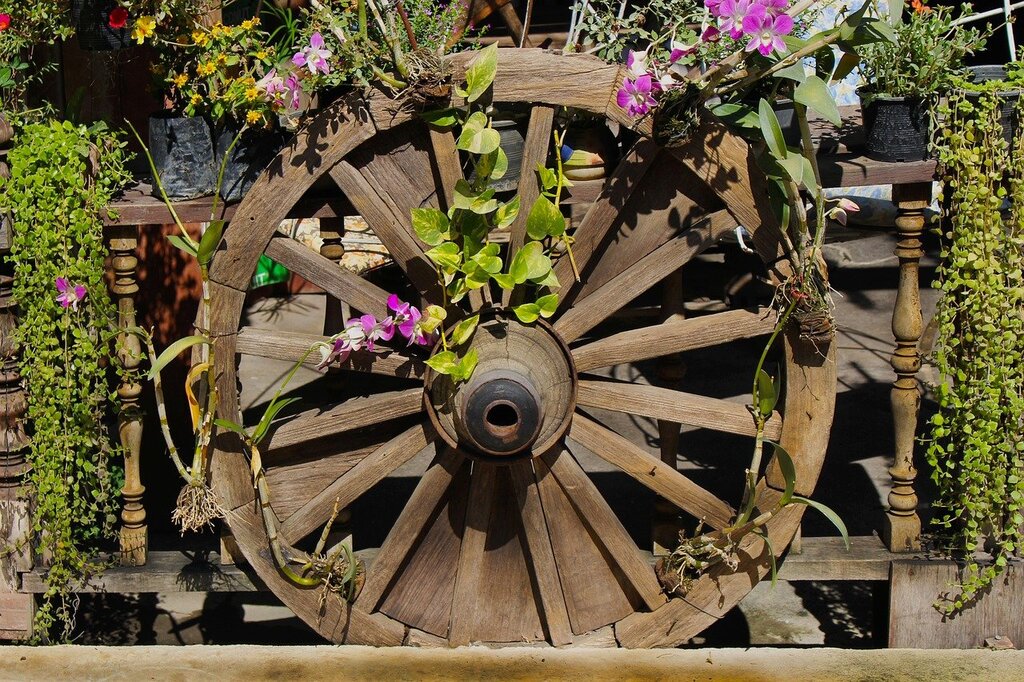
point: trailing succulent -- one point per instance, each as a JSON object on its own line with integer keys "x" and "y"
{"x": 976, "y": 449}
{"x": 62, "y": 178}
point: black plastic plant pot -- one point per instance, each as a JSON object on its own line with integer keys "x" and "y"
{"x": 93, "y": 26}
{"x": 1008, "y": 98}
{"x": 896, "y": 128}
{"x": 252, "y": 153}
{"x": 182, "y": 149}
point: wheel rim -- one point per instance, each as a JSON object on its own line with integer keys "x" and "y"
{"x": 484, "y": 524}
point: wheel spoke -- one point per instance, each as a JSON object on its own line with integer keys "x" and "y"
{"x": 446, "y": 162}
{"x": 603, "y": 215}
{"x": 393, "y": 230}
{"x": 675, "y": 406}
{"x": 352, "y": 414}
{"x": 471, "y": 556}
{"x": 641, "y": 276}
{"x": 370, "y": 471}
{"x": 605, "y": 526}
{"x": 535, "y": 151}
{"x": 674, "y": 336}
{"x": 410, "y": 527}
{"x": 294, "y": 347}
{"x": 542, "y": 557}
{"x": 329, "y": 276}
{"x": 651, "y": 472}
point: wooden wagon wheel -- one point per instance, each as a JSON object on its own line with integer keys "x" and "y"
{"x": 510, "y": 546}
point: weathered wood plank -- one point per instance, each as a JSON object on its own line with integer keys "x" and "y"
{"x": 651, "y": 472}
{"x": 354, "y": 413}
{"x": 641, "y": 276}
{"x": 293, "y": 347}
{"x": 447, "y": 167}
{"x": 466, "y": 607}
{"x": 541, "y": 556}
{"x": 535, "y": 151}
{"x": 361, "y": 294}
{"x": 673, "y": 336}
{"x": 605, "y": 527}
{"x": 409, "y": 528}
{"x": 675, "y": 406}
{"x": 370, "y": 471}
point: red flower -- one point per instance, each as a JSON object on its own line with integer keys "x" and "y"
{"x": 5, "y": 22}
{"x": 118, "y": 18}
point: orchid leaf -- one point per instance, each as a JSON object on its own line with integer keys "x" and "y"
{"x": 231, "y": 426}
{"x": 463, "y": 331}
{"x": 772, "y": 565}
{"x": 737, "y": 115}
{"x": 793, "y": 165}
{"x": 544, "y": 220}
{"x": 174, "y": 350}
{"x": 814, "y": 94}
{"x": 766, "y": 396}
{"x": 210, "y": 241}
{"x": 828, "y": 514}
{"x": 431, "y": 225}
{"x": 788, "y": 470}
{"x": 178, "y": 242}
{"x": 771, "y": 130}
{"x": 793, "y": 72}
{"x": 260, "y": 432}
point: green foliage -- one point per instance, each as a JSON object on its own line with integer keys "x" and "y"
{"x": 976, "y": 449}
{"x": 926, "y": 57}
{"x": 602, "y": 31}
{"x": 62, "y": 178}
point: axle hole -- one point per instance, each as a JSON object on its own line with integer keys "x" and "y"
{"x": 502, "y": 415}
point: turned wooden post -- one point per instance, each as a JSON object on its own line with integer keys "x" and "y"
{"x": 671, "y": 370}
{"x": 903, "y": 525}
{"x": 15, "y": 518}
{"x": 124, "y": 240}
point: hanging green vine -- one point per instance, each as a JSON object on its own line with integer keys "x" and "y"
{"x": 62, "y": 177}
{"x": 977, "y": 440}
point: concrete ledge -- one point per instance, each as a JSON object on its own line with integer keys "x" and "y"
{"x": 363, "y": 663}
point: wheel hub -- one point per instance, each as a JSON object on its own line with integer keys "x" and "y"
{"x": 519, "y": 400}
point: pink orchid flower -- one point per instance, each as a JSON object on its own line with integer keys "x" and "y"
{"x": 766, "y": 32}
{"x": 407, "y": 321}
{"x": 733, "y": 14}
{"x": 273, "y": 85}
{"x": 314, "y": 56}
{"x": 635, "y": 95}
{"x": 638, "y": 63}
{"x": 711, "y": 34}
{"x": 294, "y": 86}
{"x": 69, "y": 295}
{"x": 713, "y": 6}
{"x": 775, "y": 7}
{"x": 338, "y": 351}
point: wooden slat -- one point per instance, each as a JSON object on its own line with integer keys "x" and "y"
{"x": 651, "y": 472}
{"x": 388, "y": 226}
{"x": 409, "y": 528}
{"x": 594, "y": 593}
{"x": 446, "y": 163}
{"x": 468, "y": 580}
{"x": 370, "y": 471}
{"x": 293, "y": 346}
{"x": 541, "y": 557}
{"x": 673, "y": 336}
{"x": 675, "y": 406}
{"x": 605, "y": 527}
{"x": 421, "y": 594}
{"x": 641, "y": 276}
{"x": 600, "y": 218}
{"x": 345, "y": 286}
{"x": 535, "y": 150}
{"x": 354, "y": 413}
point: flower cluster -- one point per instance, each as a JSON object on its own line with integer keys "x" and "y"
{"x": 762, "y": 24}
{"x": 5, "y": 21}
{"x": 363, "y": 333}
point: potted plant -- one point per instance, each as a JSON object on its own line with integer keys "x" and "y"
{"x": 903, "y": 79}
{"x": 1006, "y": 82}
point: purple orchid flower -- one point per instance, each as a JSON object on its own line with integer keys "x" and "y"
{"x": 294, "y": 86}
{"x": 732, "y": 14}
{"x": 711, "y": 34}
{"x": 69, "y": 295}
{"x": 314, "y": 56}
{"x": 775, "y": 7}
{"x": 638, "y": 63}
{"x": 766, "y": 32}
{"x": 714, "y": 7}
{"x": 338, "y": 351}
{"x": 635, "y": 95}
{"x": 407, "y": 321}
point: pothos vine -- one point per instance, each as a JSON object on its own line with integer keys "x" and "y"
{"x": 976, "y": 449}
{"x": 62, "y": 177}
